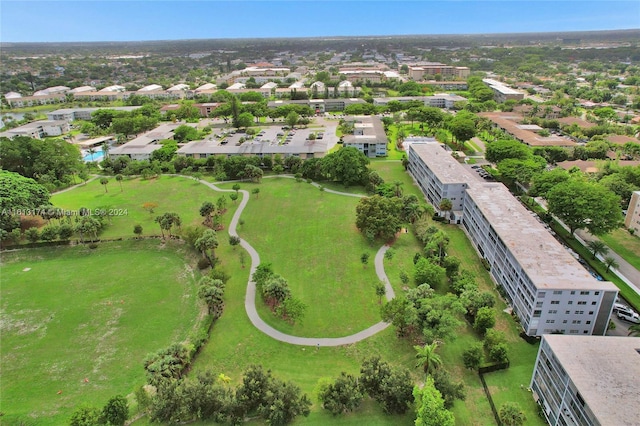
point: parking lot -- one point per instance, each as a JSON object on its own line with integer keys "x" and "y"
{"x": 481, "y": 173}
{"x": 274, "y": 135}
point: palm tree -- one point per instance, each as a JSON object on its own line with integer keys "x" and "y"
{"x": 446, "y": 205}
{"x": 427, "y": 357}
{"x": 597, "y": 247}
{"x": 119, "y": 179}
{"x": 104, "y": 181}
{"x": 91, "y": 151}
{"x": 105, "y": 149}
{"x": 634, "y": 330}
{"x": 398, "y": 188}
{"x": 610, "y": 262}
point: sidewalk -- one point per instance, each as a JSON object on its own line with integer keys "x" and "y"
{"x": 625, "y": 271}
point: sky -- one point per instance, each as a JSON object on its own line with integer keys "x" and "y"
{"x": 89, "y": 20}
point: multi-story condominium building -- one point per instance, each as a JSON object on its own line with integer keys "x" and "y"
{"x": 502, "y": 92}
{"x": 204, "y": 149}
{"x": 27, "y": 101}
{"x": 439, "y": 100}
{"x": 420, "y": 72}
{"x": 39, "y": 129}
{"x": 368, "y": 136}
{"x": 320, "y": 106}
{"x": 143, "y": 146}
{"x": 547, "y": 288}
{"x": 439, "y": 176}
{"x": 71, "y": 114}
{"x": 632, "y": 218}
{"x": 588, "y": 380}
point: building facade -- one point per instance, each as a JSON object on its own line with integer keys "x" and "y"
{"x": 547, "y": 288}
{"x": 438, "y": 175}
{"x": 588, "y": 380}
{"x": 549, "y": 291}
{"x": 368, "y": 137}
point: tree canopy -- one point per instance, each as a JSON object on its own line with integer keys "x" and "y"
{"x": 585, "y": 205}
{"x": 379, "y": 216}
{"x": 19, "y": 195}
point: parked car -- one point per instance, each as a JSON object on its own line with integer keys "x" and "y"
{"x": 619, "y": 307}
{"x": 631, "y": 317}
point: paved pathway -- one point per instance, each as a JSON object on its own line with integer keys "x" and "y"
{"x": 250, "y": 297}
{"x": 625, "y": 271}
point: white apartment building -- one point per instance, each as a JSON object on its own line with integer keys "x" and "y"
{"x": 548, "y": 289}
{"x": 71, "y": 114}
{"x": 368, "y": 137}
{"x": 439, "y": 176}
{"x": 632, "y": 218}
{"x": 143, "y": 146}
{"x": 39, "y": 129}
{"x": 502, "y": 92}
{"x": 588, "y": 380}
{"x": 420, "y": 71}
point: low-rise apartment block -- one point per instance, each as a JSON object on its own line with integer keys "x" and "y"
{"x": 71, "y": 114}
{"x": 439, "y": 176}
{"x": 588, "y": 380}
{"x": 368, "y": 136}
{"x": 39, "y": 129}
{"x": 502, "y": 92}
{"x": 419, "y": 72}
{"x": 547, "y": 288}
{"x": 143, "y": 146}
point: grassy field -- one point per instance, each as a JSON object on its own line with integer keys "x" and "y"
{"x": 327, "y": 275}
{"x": 81, "y": 314}
{"x": 625, "y": 244}
{"x": 171, "y": 193}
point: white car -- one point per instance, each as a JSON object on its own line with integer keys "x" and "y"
{"x": 629, "y": 316}
{"x": 619, "y": 307}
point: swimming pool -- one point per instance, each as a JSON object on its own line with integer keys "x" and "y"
{"x": 96, "y": 156}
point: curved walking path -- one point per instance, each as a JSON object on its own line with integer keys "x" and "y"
{"x": 250, "y": 297}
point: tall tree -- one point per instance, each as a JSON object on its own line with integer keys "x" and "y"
{"x": 597, "y": 247}
{"x": 208, "y": 241}
{"x": 431, "y": 411}
{"x": 511, "y": 414}
{"x": 427, "y": 357}
{"x": 585, "y": 205}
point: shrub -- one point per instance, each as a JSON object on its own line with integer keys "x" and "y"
{"x": 203, "y": 263}
{"x": 93, "y": 246}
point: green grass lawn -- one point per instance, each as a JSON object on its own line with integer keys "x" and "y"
{"x": 311, "y": 240}
{"x": 171, "y": 193}
{"x": 94, "y": 314}
{"x": 235, "y": 343}
{"x": 625, "y": 244}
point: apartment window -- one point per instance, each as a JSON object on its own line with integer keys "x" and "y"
{"x": 597, "y": 293}
{"x": 584, "y": 293}
{"x": 576, "y": 322}
{"x": 555, "y": 302}
{"x": 564, "y": 321}
{"x": 570, "y": 302}
{"x": 573, "y": 331}
{"x": 542, "y": 294}
{"x": 557, "y": 292}
{"x": 585, "y": 332}
{"x": 536, "y": 314}
{"x": 567, "y": 312}
{"x": 590, "y": 312}
{"x": 593, "y": 303}
{"x": 588, "y": 322}
{"x": 579, "y": 312}
{"x": 551, "y": 321}
{"x": 553, "y": 311}
{"x": 573, "y": 292}
{"x": 582, "y": 302}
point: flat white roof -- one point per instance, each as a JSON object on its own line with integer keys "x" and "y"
{"x": 545, "y": 261}
{"x": 606, "y": 372}
{"x": 442, "y": 163}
